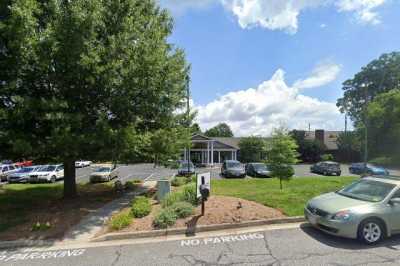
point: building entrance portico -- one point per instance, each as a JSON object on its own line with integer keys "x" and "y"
{"x": 209, "y": 151}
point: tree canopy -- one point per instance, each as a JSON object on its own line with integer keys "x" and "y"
{"x": 75, "y": 75}
{"x": 252, "y": 149}
{"x": 309, "y": 150}
{"x": 379, "y": 76}
{"x": 220, "y": 130}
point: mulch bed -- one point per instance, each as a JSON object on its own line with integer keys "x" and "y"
{"x": 219, "y": 210}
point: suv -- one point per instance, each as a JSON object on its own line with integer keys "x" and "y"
{"x": 367, "y": 209}
{"x": 326, "y": 168}
{"x": 232, "y": 168}
{"x": 47, "y": 173}
{"x": 5, "y": 170}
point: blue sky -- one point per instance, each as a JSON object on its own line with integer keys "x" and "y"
{"x": 260, "y": 64}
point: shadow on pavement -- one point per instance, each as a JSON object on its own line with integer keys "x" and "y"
{"x": 345, "y": 243}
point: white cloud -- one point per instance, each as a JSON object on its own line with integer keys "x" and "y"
{"x": 273, "y": 103}
{"x": 280, "y": 14}
{"x": 322, "y": 74}
{"x": 272, "y": 14}
{"x": 364, "y": 9}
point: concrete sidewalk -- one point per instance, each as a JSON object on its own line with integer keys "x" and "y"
{"x": 93, "y": 223}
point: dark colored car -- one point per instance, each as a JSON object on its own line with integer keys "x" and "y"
{"x": 369, "y": 169}
{"x": 186, "y": 169}
{"x": 326, "y": 168}
{"x": 22, "y": 175}
{"x": 232, "y": 168}
{"x": 257, "y": 170}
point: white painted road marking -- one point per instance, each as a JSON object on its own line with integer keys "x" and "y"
{"x": 221, "y": 239}
{"x": 42, "y": 255}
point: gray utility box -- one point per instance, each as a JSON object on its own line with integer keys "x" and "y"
{"x": 163, "y": 189}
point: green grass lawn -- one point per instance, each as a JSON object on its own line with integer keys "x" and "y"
{"x": 290, "y": 200}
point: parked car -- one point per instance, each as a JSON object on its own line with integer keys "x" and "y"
{"x": 326, "y": 168}
{"x": 5, "y": 170}
{"x": 104, "y": 174}
{"x": 47, "y": 173}
{"x": 22, "y": 175}
{"x": 369, "y": 169}
{"x": 81, "y": 164}
{"x": 367, "y": 209}
{"x": 186, "y": 169}
{"x": 257, "y": 170}
{"x": 232, "y": 168}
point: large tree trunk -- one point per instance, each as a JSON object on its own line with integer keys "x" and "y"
{"x": 69, "y": 179}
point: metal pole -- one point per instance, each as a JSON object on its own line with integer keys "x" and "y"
{"x": 203, "y": 204}
{"x": 366, "y": 128}
{"x": 188, "y": 118}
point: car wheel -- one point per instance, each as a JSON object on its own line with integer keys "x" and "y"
{"x": 371, "y": 231}
{"x": 53, "y": 179}
{"x": 325, "y": 173}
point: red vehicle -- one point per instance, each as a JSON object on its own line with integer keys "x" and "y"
{"x": 24, "y": 163}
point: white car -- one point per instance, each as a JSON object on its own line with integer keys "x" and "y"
{"x": 48, "y": 173}
{"x": 82, "y": 164}
{"x": 5, "y": 170}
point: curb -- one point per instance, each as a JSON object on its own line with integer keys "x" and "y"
{"x": 25, "y": 243}
{"x": 198, "y": 229}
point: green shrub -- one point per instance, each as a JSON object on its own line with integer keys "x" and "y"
{"x": 141, "y": 207}
{"x": 383, "y": 161}
{"x": 182, "y": 209}
{"x": 327, "y": 157}
{"x": 166, "y": 217}
{"x": 179, "y": 181}
{"x": 137, "y": 181}
{"x": 190, "y": 194}
{"x": 120, "y": 221}
{"x": 172, "y": 198}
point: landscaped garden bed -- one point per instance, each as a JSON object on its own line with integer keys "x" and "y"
{"x": 232, "y": 201}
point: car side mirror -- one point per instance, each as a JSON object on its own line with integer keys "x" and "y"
{"x": 394, "y": 201}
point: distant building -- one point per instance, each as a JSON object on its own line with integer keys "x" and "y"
{"x": 328, "y": 138}
{"x": 209, "y": 150}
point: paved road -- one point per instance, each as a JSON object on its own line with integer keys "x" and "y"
{"x": 296, "y": 246}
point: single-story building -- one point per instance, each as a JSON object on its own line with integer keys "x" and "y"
{"x": 209, "y": 151}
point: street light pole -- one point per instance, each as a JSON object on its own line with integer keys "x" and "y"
{"x": 188, "y": 118}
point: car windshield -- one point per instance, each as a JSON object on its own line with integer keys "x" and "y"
{"x": 186, "y": 165}
{"x": 26, "y": 170}
{"x": 104, "y": 169}
{"x": 260, "y": 167}
{"x": 48, "y": 168}
{"x": 234, "y": 165}
{"x": 367, "y": 190}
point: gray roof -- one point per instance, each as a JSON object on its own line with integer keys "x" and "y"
{"x": 233, "y": 142}
{"x": 330, "y": 138}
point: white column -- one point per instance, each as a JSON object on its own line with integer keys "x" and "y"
{"x": 219, "y": 157}
{"x": 235, "y": 155}
{"x": 184, "y": 154}
{"x": 208, "y": 152}
{"x": 233, "y": 158}
{"x": 212, "y": 153}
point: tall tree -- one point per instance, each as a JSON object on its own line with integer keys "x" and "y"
{"x": 75, "y": 74}
{"x": 281, "y": 155}
{"x": 252, "y": 149}
{"x": 379, "y": 76}
{"x": 309, "y": 150}
{"x": 349, "y": 146}
{"x": 220, "y": 130}
{"x": 384, "y": 130}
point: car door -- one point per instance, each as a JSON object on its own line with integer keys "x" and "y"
{"x": 394, "y": 213}
{"x": 60, "y": 171}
